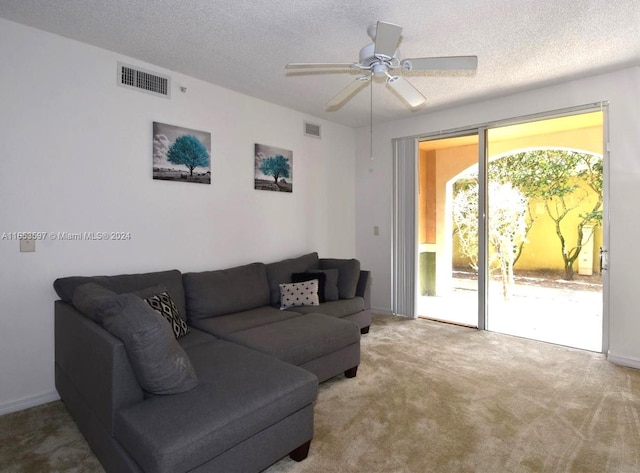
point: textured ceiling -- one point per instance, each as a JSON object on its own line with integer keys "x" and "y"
{"x": 244, "y": 45}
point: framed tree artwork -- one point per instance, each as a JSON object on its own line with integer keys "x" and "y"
{"x": 181, "y": 154}
{"x": 273, "y": 169}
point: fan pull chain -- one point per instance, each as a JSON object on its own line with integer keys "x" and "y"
{"x": 371, "y": 116}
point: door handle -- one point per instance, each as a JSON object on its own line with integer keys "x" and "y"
{"x": 604, "y": 259}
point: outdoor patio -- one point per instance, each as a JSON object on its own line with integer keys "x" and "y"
{"x": 542, "y": 308}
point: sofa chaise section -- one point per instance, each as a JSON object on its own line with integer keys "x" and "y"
{"x": 245, "y": 401}
{"x": 324, "y": 345}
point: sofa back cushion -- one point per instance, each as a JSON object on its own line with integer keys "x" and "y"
{"x": 348, "y": 275}
{"x": 281, "y": 271}
{"x": 120, "y": 284}
{"x": 225, "y": 291}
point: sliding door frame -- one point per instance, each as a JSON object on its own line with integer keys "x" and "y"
{"x": 483, "y": 247}
{"x": 407, "y": 173}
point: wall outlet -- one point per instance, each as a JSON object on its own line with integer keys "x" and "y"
{"x": 27, "y": 246}
{"x": 376, "y": 230}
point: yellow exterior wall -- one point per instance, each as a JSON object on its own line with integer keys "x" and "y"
{"x": 542, "y": 250}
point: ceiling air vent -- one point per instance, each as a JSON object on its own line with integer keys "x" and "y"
{"x": 311, "y": 129}
{"x": 144, "y": 81}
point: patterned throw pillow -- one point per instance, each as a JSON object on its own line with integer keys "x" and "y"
{"x": 164, "y": 305}
{"x": 301, "y": 293}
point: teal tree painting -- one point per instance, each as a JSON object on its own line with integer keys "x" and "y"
{"x": 181, "y": 154}
{"x": 273, "y": 169}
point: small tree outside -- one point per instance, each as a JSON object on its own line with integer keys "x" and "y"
{"x": 554, "y": 176}
{"x": 507, "y": 227}
{"x": 465, "y": 219}
{"x": 189, "y": 151}
{"x": 276, "y": 166}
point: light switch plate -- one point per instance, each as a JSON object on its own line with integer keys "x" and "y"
{"x": 27, "y": 246}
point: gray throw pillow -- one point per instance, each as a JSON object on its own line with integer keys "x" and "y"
{"x": 331, "y": 285}
{"x": 159, "y": 362}
{"x": 92, "y": 300}
{"x": 349, "y": 273}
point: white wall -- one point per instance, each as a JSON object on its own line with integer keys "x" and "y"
{"x": 621, "y": 89}
{"x": 76, "y": 155}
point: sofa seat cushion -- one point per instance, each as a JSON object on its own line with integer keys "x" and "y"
{"x": 195, "y": 337}
{"x": 300, "y": 339}
{"x": 241, "y": 393}
{"x": 226, "y": 291}
{"x": 339, "y": 309}
{"x": 226, "y": 324}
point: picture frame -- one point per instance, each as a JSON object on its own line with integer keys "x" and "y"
{"x": 273, "y": 169}
{"x": 181, "y": 154}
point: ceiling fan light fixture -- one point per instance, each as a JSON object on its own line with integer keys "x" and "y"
{"x": 380, "y": 57}
{"x": 380, "y": 70}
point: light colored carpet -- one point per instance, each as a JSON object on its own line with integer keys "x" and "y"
{"x": 428, "y": 397}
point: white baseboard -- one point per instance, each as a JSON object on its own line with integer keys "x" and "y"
{"x": 624, "y": 361}
{"x": 27, "y": 402}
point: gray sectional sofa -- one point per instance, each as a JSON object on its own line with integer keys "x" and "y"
{"x": 229, "y": 384}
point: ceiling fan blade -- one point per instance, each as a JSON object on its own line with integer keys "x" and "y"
{"x": 406, "y": 91}
{"x": 448, "y": 63}
{"x": 319, "y": 65}
{"x": 387, "y": 37}
{"x": 347, "y": 92}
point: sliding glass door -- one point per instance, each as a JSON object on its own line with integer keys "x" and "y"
{"x": 510, "y": 228}
{"x": 448, "y": 246}
{"x": 545, "y": 230}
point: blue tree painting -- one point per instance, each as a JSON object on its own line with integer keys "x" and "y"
{"x": 181, "y": 154}
{"x": 273, "y": 169}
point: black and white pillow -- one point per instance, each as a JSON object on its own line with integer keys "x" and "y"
{"x": 165, "y": 306}
{"x": 300, "y": 293}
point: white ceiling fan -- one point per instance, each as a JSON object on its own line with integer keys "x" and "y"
{"x": 379, "y": 59}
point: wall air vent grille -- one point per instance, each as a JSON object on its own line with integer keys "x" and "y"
{"x": 311, "y": 129}
{"x": 145, "y": 81}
